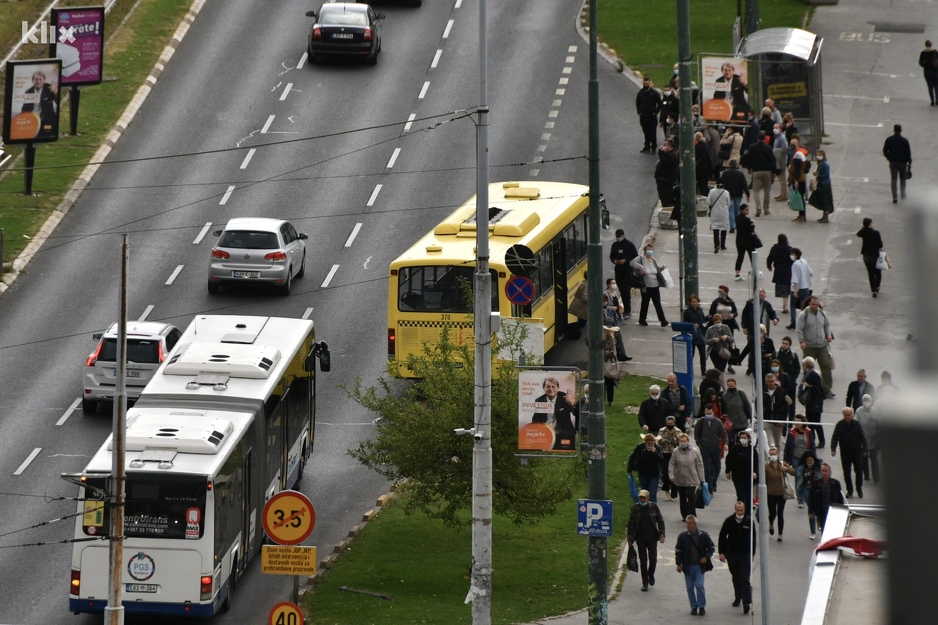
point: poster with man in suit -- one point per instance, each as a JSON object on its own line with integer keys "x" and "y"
{"x": 725, "y": 89}
{"x": 31, "y": 113}
{"x": 548, "y": 411}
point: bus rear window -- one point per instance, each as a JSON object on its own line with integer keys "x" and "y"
{"x": 439, "y": 288}
{"x": 156, "y": 507}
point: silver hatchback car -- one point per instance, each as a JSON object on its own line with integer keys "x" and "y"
{"x": 148, "y": 345}
{"x": 257, "y": 250}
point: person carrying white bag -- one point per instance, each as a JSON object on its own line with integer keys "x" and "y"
{"x": 874, "y": 257}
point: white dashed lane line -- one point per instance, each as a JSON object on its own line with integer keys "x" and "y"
{"x": 286, "y": 91}
{"x": 307, "y": 313}
{"x": 266, "y": 127}
{"x": 374, "y": 195}
{"x": 26, "y": 462}
{"x": 202, "y": 233}
{"x": 397, "y": 152}
{"x": 410, "y": 122}
{"x": 68, "y": 412}
{"x": 329, "y": 277}
{"x": 224, "y": 198}
{"x": 302, "y": 61}
{"x": 146, "y": 313}
{"x": 423, "y": 92}
{"x": 449, "y": 27}
{"x": 174, "y": 274}
{"x": 458, "y": 4}
{"x": 351, "y": 237}
{"x": 247, "y": 158}
{"x": 436, "y": 59}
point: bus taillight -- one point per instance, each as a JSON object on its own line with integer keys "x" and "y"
{"x": 391, "y": 340}
{"x": 76, "y": 583}
{"x": 206, "y": 587}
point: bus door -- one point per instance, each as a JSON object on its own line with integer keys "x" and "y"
{"x": 560, "y": 286}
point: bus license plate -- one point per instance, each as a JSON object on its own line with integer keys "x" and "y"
{"x": 133, "y": 373}
{"x": 141, "y": 587}
{"x": 245, "y": 274}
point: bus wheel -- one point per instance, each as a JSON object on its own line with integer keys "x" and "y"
{"x": 226, "y": 605}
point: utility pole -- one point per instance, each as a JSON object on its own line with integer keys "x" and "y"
{"x": 596, "y": 424}
{"x": 114, "y": 611}
{"x": 688, "y": 168}
{"x": 481, "y": 583}
{"x": 755, "y": 336}
{"x": 752, "y": 16}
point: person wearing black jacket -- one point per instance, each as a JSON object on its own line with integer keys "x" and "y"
{"x": 694, "y": 314}
{"x": 898, "y": 152}
{"x": 857, "y": 389}
{"x": 646, "y": 528}
{"x": 648, "y": 105}
{"x": 745, "y": 238}
{"x": 849, "y": 433}
{"x": 667, "y": 171}
{"x": 646, "y": 460}
{"x": 735, "y": 183}
{"x": 621, "y": 254}
{"x": 654, "y": 411}
{"x": 736, "y": 545}
{"x": 692, "y": 554}
{"x": 928, "y": 61}
{"x": 762, "y": 166}
{"x": 872, "y": 244}
{"x": 779, "y": 263}
{"x": 742, "y": 462}
{"x": 824, "y": 492}
{"x": 670, "y": 108}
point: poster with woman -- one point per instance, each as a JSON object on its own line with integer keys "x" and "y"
{"x": 547, "y": 410}
{"x": 725, "y": 89}
{"x": 31, "y": 114}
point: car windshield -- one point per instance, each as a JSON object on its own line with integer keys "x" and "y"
{"x": 336, "y": 18}
{"x": 247, "y": 240}
{"x": 138, "y": 350}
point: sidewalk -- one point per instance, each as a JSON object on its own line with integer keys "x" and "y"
{"x": 871, "y": 81}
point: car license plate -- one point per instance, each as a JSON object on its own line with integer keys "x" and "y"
{"x": 141, "y": 587}
{"x": 245, "y": 274}
{"x": 342, "y": 35}
{"x": 133, "y": 373}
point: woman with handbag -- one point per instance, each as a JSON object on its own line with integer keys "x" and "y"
{"x": 822, "y": 196}
{"x": 779, "y": 489}
{"x": 870, "y": 250}
{"x": 611, "y": 371}
{"x": 719, "y": 340}
{"x": 798, "y": 168}
{"x": 647, "y": 270}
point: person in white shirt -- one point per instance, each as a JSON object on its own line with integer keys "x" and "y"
{"x": 801, "y": 275}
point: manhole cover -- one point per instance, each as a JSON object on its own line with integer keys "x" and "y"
{"x": 892, "y": 27}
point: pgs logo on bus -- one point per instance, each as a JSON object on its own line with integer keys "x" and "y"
{"x": 141, "y": 567}
{"x": 193, "y": 523}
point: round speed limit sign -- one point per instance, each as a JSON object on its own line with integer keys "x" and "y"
{"x": 286, "y": 613}
{"x": 289, "y": 518}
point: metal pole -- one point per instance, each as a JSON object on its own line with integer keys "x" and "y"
{"x": 74, "y": 95}
{"x": 752, "y": 16}
{"x": 481, "y": 583}
{"x": 686, "y": 136}
{"x": 114, "y": 612}
{"x": 596, "y": 429}
{"x": 2, "y": 255}
{"x": 30, "y": 155}
{"x": 754, "y": 335}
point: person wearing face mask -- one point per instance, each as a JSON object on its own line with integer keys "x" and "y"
{"x": 780, "y": 150}
{"x": 645, "y": 531}
{"x": 670, "y": 107}
{"x": 737, "y": 409}
{"x": 799, "y": 440}
{"x": 647, "y": 269}
{"x": 647, "y": 461}
{"x": 868, "y": 418}
{"x": 852, "y": 439}
{"x": 786, "y": 382}
{"x": 670, "y": 439}
{"x": 775, "y": 406}
{"x": 775, "y": 487}
{"x": 742, "y": 462}
{"x": 621, "y": 254}
{"x": 710, "y": 436}
{"x": 694, "y": 314}
{"x": 725, "y": 305}
{"x": 667, "y": 171}
{"x": 686, "y": 472}
{"x": 679, "y": 401}
{"x": 822, "y": 198}
{"x": 789, "y": 362}
{"x": 648, "y": 106}
{"x": 654, "y": 411}
{"x": 736, "y": 545}
{"x": 809, "y": 474}
{"x": 801, "y": 284}
{"x": 719, "y": 340}
{"x": 779, "y": 263}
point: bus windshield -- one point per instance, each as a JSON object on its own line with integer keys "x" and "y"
{"x": 439, "y": 288}
{"x": 160, "y": 506}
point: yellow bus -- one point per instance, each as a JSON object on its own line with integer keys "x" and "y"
{"x": 428, "y": 283}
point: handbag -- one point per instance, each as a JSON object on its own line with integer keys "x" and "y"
{"x": 699, "y": 498}
{"x": 907, "y": 172}
{"x": 812, "y": 186}
{"x": 724, "y": 353}
{"x": 795, "y": 201}
{"x": 632, "y": 560}
{"x": 611, "y": 369}
{"x": 664, "y": 278}
{"x": 830, "y": 358}
{"x": 725, "y": 151}
{"x": 882, "y": 263}
{"x": 786, "y": 486}
{"x": 756, "y": 241}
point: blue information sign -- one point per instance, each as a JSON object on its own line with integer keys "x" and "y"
{"x": 519, "y": 290}
{"x": 594, "y": 517}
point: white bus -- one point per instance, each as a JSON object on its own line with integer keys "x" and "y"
{"x": 227, "y": 422}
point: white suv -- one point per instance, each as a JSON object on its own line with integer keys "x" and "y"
{"x": 148, "y": 345}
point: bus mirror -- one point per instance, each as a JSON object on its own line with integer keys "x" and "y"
{"x": 325, "y": 361}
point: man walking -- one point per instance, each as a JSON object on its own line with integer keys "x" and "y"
{"x": 736, "y": 546}
{"x": 814, "y": 335}
{"x": 621, "y": 254}
{"x": 762, "y": 166}
{"x": 801, "y": 284}
{"x": 849, "y": 433}
{"x": 692, "y": 553}
{"x": 869, "y": 250}
{"x": 734, "y": 181}
{"x": 646, "y": 530}
{"x": 898, "y": 152}
{"x": 710, "y": 436}
{"x": 825, "y": 492}
{"x": 857, "y": 389}
{"x": 648, "y": 105}
{"x": 679, "y": 401}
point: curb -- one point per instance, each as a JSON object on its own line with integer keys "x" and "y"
{"x": 607, "y": 53}
{"x": 84, "y": 179}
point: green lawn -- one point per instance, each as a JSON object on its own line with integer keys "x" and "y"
{"x": 539, "y": 570}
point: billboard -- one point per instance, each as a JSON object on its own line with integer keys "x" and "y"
{"x": 80, "y": 44}
{"x": 31, "y": 111}
{"x": 725, "y": 89}
{"x": 785, "y": 79}
{"x": 548, "y": 410}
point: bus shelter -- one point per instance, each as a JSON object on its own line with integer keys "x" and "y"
{"x": 784, "y": 65}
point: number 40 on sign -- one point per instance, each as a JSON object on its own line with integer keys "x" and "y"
{"x": 286, "y": 613}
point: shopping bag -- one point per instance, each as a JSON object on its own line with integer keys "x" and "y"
{"x": 786, "y": 486}
{"x": 699, "y": 498}
{"x": 707, "y": 497}
{"x": 882, "y": 263}
{"x": 795, "y": 201}
{"x": 664, "y": 279}
{"x": 632, "y": 560}
{"x": 633, "y": 489}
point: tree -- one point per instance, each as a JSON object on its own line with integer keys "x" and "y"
{"x": 415, "y": 439}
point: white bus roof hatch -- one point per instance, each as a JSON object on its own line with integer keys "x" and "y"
{"x": 162, "y": 436}
{"x": 227, "y": 359}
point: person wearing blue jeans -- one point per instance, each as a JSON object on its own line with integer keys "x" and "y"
{"x": 692, "y": 554}
{"x": 647, "y": 461}
{"x": 710, "y": 436}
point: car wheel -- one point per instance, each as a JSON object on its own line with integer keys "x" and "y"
{"x": 89, "y": 406}
{"x": 285, "y": 289}
{"x": 212, "y": 287}
{"x": 313, "y": 59}
{"x": 373, "y": 59}
{"x": 302, "y": 271}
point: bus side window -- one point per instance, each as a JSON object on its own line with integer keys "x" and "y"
{"x": 545, "y": 271}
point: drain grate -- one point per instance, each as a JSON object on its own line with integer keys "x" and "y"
{"x": 892, "y": 27}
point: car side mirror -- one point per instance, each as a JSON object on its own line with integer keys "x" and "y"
{"x": 379, "y": 16}
{"x": 302, "y": 235}
{"x": 311, "y": 14}
{"x": 97, "y": 336}
{"x": 217, "y": 233}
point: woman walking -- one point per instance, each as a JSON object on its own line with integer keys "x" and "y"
{"x": 872, "y": 244}
{"x": 775, "y": 471}
{"x": 720, "y": 343}
{"x": 928, "y": 61}
{"x": 745, "y": 238}
{"x": 686, "y": 472}
{"x": 779, "y": 263}
{"x": 718, "y": 199}
{"x": 823, "y": 196}
{"x": 810, "y": 473}
{"x": 694, "y": 314}
{"x": 797, "y": 174}
{"x": 647, "y": 269}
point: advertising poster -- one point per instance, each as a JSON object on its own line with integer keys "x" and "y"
{"x": 725, "y": 90}
{"x": 31, "y": 113}
{"x": 785, "y": 80}
{"x": 79, "y": 43}
{"x": 547, "y": 410}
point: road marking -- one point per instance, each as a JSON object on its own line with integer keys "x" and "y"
{"x": 570, "y": 59}
{"x": 307, "y": 313}
{"x": 861, "y": 179}
{"x": 286, "y": 91}
{"x": 266, "y": 127}
{"x": 247, "y": 158}
{"x": 534, "y": 172}
{"x": 553, "y": 113}
{"x": 549, "y": 125}
{"x": 224, "y": 198}
{"x": 367, "y": 260}
{"x": 567, "y": 70}
{"x": 302, "y": 61}
{"x": 351, "y": 237}
{"x": 174, "y": 274}
{"x": 571, "y": 49}
{"x": 146, "y": 313}
{"x": 545, "y": 136}
{"x": 458, "y": 4}
{"x": 557, "y": 103}
{"x": 374, "y": 195}
{"x": 449, "y": 27}
{"x": 394, "y": 156}
{"x": 542, "y": 148}
{"x": 564, "y": 81}
{"x": 329, "y": 277}
{"x": 410, "y": 122}
{"x": 436, "y": 59}
{"x": 202, "y": 233}
{"x": 560, "y": 92}
{"x": 854, "y": 71}
{"x": 423, "y": 92}
{"x": 68, "y": 412}
{"x": 879, "y": 125}
{"x": 26, "y": 462}
{"x": 884, "y": 99}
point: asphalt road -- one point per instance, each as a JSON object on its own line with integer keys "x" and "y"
{"x": 238, "y": 80}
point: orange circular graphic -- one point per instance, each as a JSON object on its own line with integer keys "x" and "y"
{"x": 538, "y": 436}
{"x": 24, "y": 126}
{"x": 718, "y": 110}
